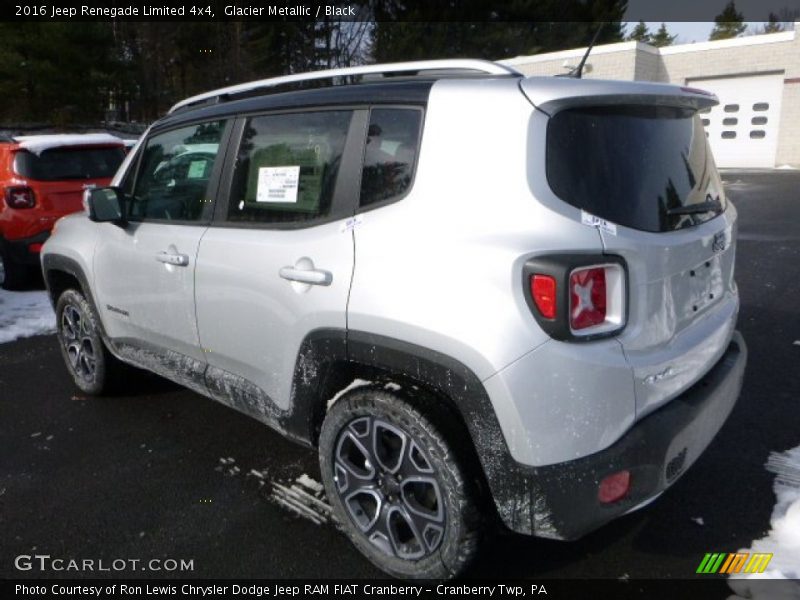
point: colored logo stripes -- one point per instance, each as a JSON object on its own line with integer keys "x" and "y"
{"x": 739, "y": 562}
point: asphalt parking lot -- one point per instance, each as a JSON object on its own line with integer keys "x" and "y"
{"x": 148, "y": 474}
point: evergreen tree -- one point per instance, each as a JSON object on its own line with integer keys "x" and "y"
{"x": 640, "y": 33}
{"x": 728, "y": 24}
{"x": 662, "y": 37}
{"x": 56, "y": 73}
{"x": 774, "y": 24}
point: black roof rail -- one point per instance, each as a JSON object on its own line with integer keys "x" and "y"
{"x": 359, "y": 74}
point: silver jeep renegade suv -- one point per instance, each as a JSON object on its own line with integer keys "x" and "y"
{"x": 477, "y": 294}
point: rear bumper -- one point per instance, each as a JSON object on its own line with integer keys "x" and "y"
{"x": 18, "y": 251}
{"x": 656, "y": 451}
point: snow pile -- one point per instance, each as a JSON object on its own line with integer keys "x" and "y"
{"x": 23, "y": 314}
{"x": 783, "y": 538}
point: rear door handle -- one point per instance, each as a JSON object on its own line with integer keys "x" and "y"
{"x": 312, "y": 276}
{"x": 179, "y": 260}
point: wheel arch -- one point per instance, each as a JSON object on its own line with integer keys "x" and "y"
{"x": 61, "y": 273}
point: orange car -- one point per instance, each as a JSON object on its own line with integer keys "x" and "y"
{"x": 42, "y": 178}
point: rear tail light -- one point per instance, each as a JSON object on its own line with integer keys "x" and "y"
{"x": 543, "y": 292}
{"x": 20, "y": 197}
{"x": 577, "y": 296}
{"x": 596, "y": 299}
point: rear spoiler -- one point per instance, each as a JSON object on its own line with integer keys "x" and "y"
{"x": 551, "y": 94}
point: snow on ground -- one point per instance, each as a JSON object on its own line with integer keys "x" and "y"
{"x": 302, "y": 495}
{"x": 783, "y": 538}
{"x": 23, "y": 314}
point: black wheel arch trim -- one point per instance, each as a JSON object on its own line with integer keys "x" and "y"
{"x": 56, "y": 262}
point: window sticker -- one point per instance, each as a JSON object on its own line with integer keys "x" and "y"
{"x": 197, "y": 169}
{"x": 278, "y": 184}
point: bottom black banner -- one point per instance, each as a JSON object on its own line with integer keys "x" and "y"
{"x": 656, "y": 589}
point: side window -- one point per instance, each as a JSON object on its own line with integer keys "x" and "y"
{"x": 173, "y": 174}
{"x": 390, "y": 154}
{"x": 286, "y": 167}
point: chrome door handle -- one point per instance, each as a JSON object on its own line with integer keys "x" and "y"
{"x": 179, "y": 260}
{"x": 312, "y": 276}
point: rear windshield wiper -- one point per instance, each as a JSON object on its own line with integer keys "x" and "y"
{"x": 700, "y": 207}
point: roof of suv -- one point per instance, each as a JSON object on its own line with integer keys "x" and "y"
{"x": 405, "y": 83}
{"x": 395, "y": 92}
{"x": 383, "y": 71}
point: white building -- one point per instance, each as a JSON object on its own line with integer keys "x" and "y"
{"x": 757, "y": 80}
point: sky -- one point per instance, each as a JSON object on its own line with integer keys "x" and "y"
{"x": 687, "y": 31}
{"x": 704, "y": 10}
{"x": 702, "y": 13}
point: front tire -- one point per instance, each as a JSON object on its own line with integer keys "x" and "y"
{"x": 397, "y": 486}
{"x": 88, "y": 360}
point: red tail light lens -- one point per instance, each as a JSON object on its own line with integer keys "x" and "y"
{"x": 543, "y": 292}
{"x": 587, "y": 298}
{"x": 614, "y": 487}
{"x": 20, "y": 197}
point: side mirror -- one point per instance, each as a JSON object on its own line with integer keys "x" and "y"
{"x": 106, "y": 205}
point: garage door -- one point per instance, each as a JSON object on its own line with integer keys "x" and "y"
{"x": 743, "y": 128}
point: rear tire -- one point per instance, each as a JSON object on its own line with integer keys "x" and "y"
{"x": 396, "y": 485}
{"x": 13, "y": 276}
{"x": 93, "y": 368}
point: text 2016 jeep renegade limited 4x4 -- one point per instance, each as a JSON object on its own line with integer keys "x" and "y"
{"x": 534, "y": 274}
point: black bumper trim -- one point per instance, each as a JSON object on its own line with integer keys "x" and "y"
{"x": 17, "y": 250}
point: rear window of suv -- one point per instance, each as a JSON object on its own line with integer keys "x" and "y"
{"x": 60, "y": 164}
{"x": 638, "y": 166}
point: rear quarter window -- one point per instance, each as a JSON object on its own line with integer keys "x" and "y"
{"x": 390, "y": 154}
